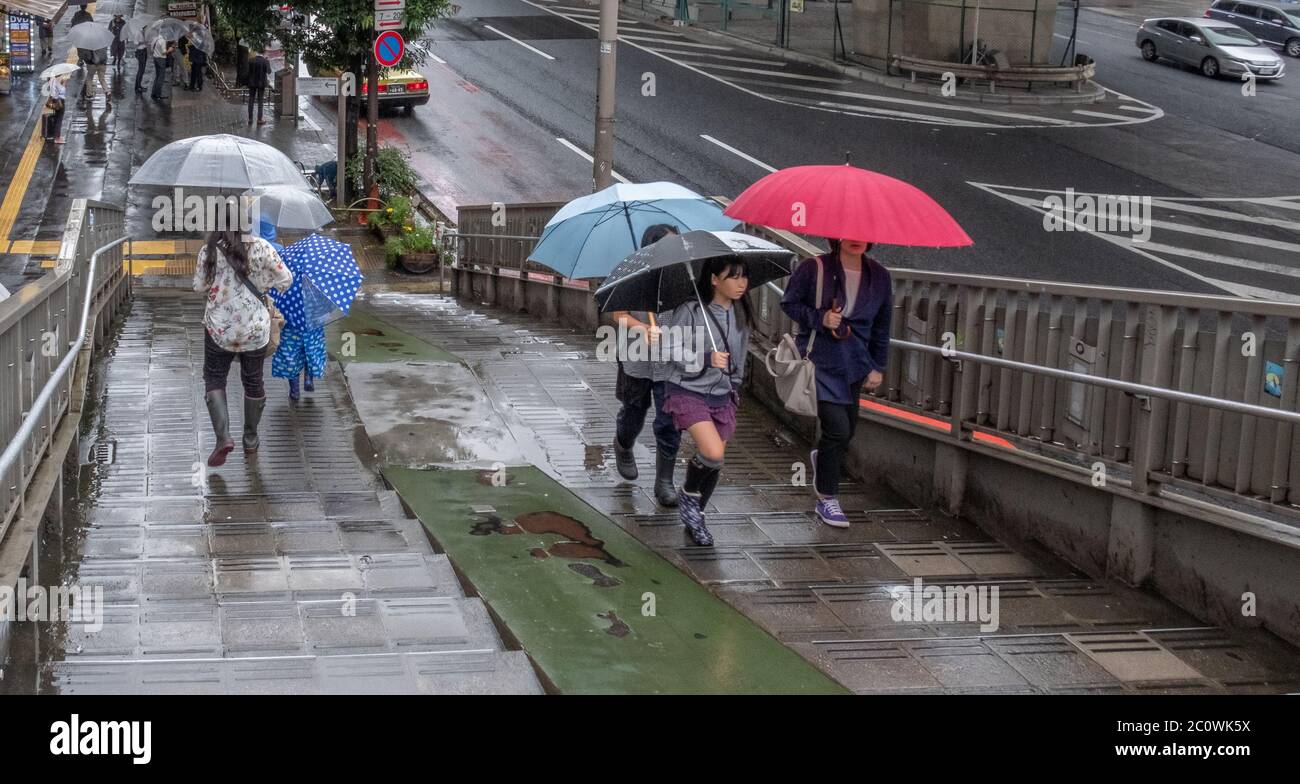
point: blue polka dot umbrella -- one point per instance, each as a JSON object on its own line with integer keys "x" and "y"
{"x": 325, "y": 282}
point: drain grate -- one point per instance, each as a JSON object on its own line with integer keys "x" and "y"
{"x": 102, "y": 453}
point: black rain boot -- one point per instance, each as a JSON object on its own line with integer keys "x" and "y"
{"x": 217, "y": 410}
{"x": 253, "y": 407}
{"x": 708, "y": 485}
{"x": 624, "y": 461}
{"x": 665, "y": 492}
{"x": 689, "y": 505}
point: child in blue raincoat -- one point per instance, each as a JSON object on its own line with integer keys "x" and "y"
{"x": 301, "y": 351}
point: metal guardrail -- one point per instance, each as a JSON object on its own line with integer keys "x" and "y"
{"x": 38, "y": 348}
{"x": 1173, "y": 387}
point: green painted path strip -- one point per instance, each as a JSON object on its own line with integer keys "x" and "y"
{"x": 598, "y": 611}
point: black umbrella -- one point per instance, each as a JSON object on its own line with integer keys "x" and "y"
{"x": 660, "y": 277}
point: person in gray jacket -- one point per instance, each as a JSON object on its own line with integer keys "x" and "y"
{"x": 703, "y": 392}
{"x": 640, "y": 381}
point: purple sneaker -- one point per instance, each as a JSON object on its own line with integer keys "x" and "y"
{"x": 830, "y": 513}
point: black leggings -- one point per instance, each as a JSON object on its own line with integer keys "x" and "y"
{"x": 216, "y": 366}
{"x": 839, "y": 421}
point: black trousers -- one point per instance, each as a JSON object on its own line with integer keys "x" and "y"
{"x": 141, "y": 60}
{"x": 216, "y": 367}
{"x": 839, "y": 421}
{"x": 196, "y": 76}
{"x": 159, "y": 77}
{"x": 636, "y": 395}
{"x": 255, "y": 97}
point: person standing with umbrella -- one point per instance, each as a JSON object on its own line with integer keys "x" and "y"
{"x": 259, "y": 71}
{"x": 235, "y": 274}
{"x": 47, "y": 37}
{"x": 851, "y": 321}
{"x": 704, "y": 400}
{"x": 843, "y": 301}
{"x": 639, "y": 382}
{"x": 118, "y": 47}
{"x": 198, "y": 61}
{"x": 141, "y": 62}
{"x": 160, "y": 50}
{"x": 56, "y": 102}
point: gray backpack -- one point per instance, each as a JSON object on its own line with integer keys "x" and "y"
{"x": 796, "y": 376}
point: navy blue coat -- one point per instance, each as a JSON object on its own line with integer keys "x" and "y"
{"x": 841, "y": 363}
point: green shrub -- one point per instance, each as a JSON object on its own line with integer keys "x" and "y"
{"x": 397, "y": 213}
{"x": 393, "y": 174}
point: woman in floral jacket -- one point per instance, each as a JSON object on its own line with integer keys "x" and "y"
{"x": 236, "y": 323}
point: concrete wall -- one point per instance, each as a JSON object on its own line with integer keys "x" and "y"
{"x": 935, "y": 32}
{"x": 1202, "y": 567}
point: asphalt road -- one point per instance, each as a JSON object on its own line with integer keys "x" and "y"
{"x": 514, "y": 96}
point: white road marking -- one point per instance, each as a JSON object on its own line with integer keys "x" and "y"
{"x": 1076, "y": 40}
{"x": 1102, "y": 115}
{"x": 947, "y": 107}
{"x": 587, "y": 157}
{"x": 436, "y": 58}
{"x": 727, "y": 57}
{"x": 521, "y": 43}
{"x": 676, "y": 43}
{"x": 1169, "y": 204}
{"x": 775, "y": 73}
{"x": 871, "y": 111}
{"x": 1142, "y": 249}
{"x": 734, "y": 151}
{"x": 1129, "y": 108}
{"x": 1200, "y": 255}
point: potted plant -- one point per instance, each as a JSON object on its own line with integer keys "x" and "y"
{"x": 413, "y": 250}
{"x": 393, "y": 218}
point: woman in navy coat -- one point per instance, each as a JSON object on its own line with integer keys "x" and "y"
{"x": 851, "y": 348}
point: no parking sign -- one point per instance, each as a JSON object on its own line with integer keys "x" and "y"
{"x": 389, "y": 48}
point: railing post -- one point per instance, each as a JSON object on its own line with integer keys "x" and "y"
{"x": 1152, "y": 420}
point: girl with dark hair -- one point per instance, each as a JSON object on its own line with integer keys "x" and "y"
{"x": 851, "y": 322}
{"x": 235, "y": 275}
{"x": 703, "y": 391}
{"x": 640, "y": 381}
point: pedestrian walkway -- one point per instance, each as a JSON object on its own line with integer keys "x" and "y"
{"x": 826, "y": 594}
{"x": 293, "y": 571}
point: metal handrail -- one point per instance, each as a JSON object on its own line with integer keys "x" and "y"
{"x": 10, "y": 455}
{"x": 1101, "y": 381}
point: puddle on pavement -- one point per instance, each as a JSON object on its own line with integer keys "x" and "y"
{"x": 579, "y": 544}
{"x": 617, "y": 627}
{"x": 425, "y": 414}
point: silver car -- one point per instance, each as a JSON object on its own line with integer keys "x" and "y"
{"x": 1216, "y": 48}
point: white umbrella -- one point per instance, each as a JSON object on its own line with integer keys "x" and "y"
{"x": 114, "y": 8}
{"x": 89, "y": 35}
{"x": 219, "y": 161}
{"x": 171, "y": 28}
{"x": 58, "y": 70}
{"x": 135, "y": 27}
{"x": 288, "y": 207}
{"x": 200, "y": 36}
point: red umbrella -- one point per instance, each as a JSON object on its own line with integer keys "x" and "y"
{"x": 848, "y": 203}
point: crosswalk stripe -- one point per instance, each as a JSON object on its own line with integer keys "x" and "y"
{"x": 772, "y": 73}
{"x": 1102, "y": 115}
{"x": 1185, "y": 207}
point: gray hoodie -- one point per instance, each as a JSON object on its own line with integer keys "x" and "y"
{"x": 694, "y": 372}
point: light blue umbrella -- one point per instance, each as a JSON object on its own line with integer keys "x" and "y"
{"x": 589, "y": 236}
{"x": 325, "y": 280}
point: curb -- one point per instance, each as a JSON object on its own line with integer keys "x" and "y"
{"x": 1092, "y": 94}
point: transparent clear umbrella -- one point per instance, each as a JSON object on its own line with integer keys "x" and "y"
{"x": 219, "y": 161}
{"x": 89, "y": 35}
{"x": 134, "y": 32}
{"x": 170, "y": 28}
{"x": 288, "y": 207}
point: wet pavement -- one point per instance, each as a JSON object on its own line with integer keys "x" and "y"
{"x": 826, "y": 593}
{"x": 293, "y": 571}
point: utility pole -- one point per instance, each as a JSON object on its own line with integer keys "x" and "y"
{"x": 372, "y": 118}
{"x": 603, "y": 157}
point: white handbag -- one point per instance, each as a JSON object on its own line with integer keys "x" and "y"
{"x": 796, "y": 376}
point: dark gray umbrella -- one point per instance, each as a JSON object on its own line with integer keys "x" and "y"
{"x": 661, "y": 276}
